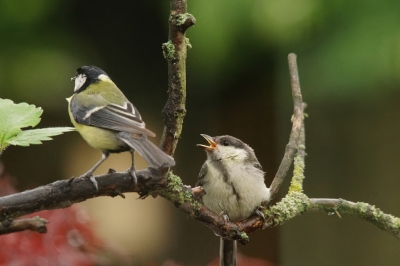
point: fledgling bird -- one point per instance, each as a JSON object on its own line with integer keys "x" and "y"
{"x": 107, "y": 121}
{"x": 233, "y": 181}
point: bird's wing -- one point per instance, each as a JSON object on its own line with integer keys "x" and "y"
{"x": 258, "y": 166}
{"x": 202, "y": 174}
{"x": 254, "y": 161}
{"x": 124, "y": 118}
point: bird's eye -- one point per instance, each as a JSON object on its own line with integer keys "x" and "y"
{"x": 225, "y": 143}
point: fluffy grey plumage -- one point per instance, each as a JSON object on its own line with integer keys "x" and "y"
{"x": 233, "y": 181}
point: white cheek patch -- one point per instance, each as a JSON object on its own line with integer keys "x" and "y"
{"x": 79, "y": 81}
{"x": 238, "y": 155}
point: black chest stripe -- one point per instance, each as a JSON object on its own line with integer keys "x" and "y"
{"x": 238, "y": 197}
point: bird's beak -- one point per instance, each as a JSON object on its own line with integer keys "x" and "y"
{"x": 212, "y": 143}
{"x": 74, "y": 77}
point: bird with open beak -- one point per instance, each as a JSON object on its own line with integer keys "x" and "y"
{"x": 233, "y": 182}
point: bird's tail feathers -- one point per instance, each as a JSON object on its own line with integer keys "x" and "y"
{"x": 151, "y": 153}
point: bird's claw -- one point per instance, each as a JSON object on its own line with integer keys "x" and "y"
{"x": 224, "y": 217}
{"x": 94, "y": 182}
{"x": 133, "y": 175}
{"x": 92, "y": 179}
{"x": 259, "y": 213}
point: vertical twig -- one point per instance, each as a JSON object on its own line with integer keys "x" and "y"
{"x": 296, "y": 184}
{"x": 175, "y": 51}
{"x": 297, "y": 122}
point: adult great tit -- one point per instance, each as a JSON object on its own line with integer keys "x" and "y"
{"x": 233, "y": 181}
{"x": 107, "y": 121}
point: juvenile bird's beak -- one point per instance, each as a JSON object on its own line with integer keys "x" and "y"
{"x": 212, "y": 143}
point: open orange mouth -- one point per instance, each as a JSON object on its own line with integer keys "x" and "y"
{"x": 212, "y": 143}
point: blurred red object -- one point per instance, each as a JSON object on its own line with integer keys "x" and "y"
{"x": 70, "y": 238}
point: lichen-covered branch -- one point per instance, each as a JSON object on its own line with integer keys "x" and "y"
{"x": 36, "y": 224}
{"x": 296, "y": 203}
{"x": 296, "y": 184}
{"x": 365, "y": 211}
{"x": 297, "y": 122}
{"x": 175, "y": 52}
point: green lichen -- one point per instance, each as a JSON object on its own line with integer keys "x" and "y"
{"x": 181, "y": 18}
{"x": 362, "y": 207}
{"x": 175, "y": 192}
{"x": 174, "y": 182}
{"x": 169, "y": 50}
{"x": 298, "y": 175}
{"x": 188, "y": 45}
{"x": 187, "y": 195}
{"x": 244, "y": 236}
{"x": 376, "y": 213}
{"x": 295, "y": 186}
{"x": 372, "y": 214}
{"x": 293, "y": 204}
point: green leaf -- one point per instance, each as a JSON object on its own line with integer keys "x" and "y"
{"x": 36, "y": 136}
{"x": 13, "y": 117}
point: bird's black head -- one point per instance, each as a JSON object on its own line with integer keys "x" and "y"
{"x": 87, "y": 75}
{"x": 91, "y": 72}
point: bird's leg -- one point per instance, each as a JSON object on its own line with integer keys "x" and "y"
{"x": 132, "y": 169}
{"x": 227, "y": 248}
{"x": 89, "y": 174}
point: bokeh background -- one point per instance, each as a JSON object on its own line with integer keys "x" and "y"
{"x": 238, "y": 84}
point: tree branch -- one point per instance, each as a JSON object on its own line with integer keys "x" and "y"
{"x": 365, "y": 211}
{"x": 296, "y": 203}
{"x": 296, "y": 184}
{"x": 297, "y": 123}
{"x": 34, "y": 224}
{"x": 175, "y": 51}
{"x": 64, "y": 193}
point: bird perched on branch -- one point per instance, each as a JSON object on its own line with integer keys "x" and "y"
{"x": 233, "y": 182}
{"x": 107, "y": 121}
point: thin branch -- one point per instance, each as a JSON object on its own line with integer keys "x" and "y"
{"x": 297, "y": 121}
{"x": 296, "y": 203}
{"x": 365, "y": 211}
{"x": 296, "y": 184}
{"x": 36, "y": 224}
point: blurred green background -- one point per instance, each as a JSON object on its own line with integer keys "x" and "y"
{"x": 238, "y": 84}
